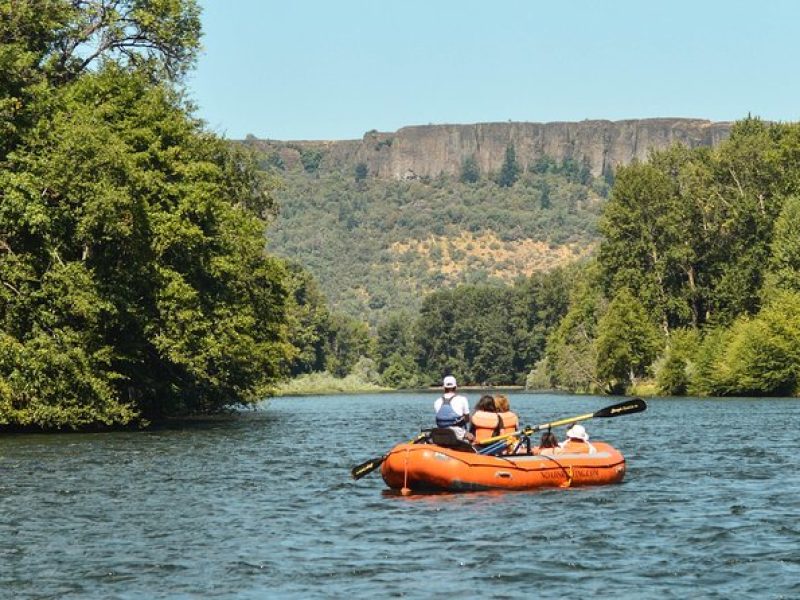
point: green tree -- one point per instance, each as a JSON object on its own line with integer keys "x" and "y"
{"x": 46, "y": 44}
{"x": 470, "y": 173}
{"x": 134, "y": 283}
{"x": 784, "y": 263}
{"x": 395, "y": 349}
{"x": 361, "y": 171}
{"x": 537, "y": 306}
{"x": 509, "y": 172}
{"x": 311, "y": 159}
{"x": 643, "y": 229}
{"x": 571, "y": 353}
{"x": 758, "y": 356}
{"x": 627, "y": 342}
{"x": 674, "y": 370}
{"x": 348, "y": 342}
{"x": 308, "y": 320}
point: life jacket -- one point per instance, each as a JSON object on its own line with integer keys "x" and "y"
{"x": 510, "y": 422}
{"x": 577, "y": 446}
{"x": 488, "y": 424}
{"x": 446, "y": 416}
{"x": 485, "y": 425}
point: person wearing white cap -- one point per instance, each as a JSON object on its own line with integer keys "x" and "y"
{"x": 577, "y": 440}
{"x": 452, "y": 409}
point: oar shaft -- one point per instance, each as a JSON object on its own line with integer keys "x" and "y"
{"x": 563, "y": 422}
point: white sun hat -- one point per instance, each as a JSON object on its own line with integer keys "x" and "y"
{"x": 449, "y": 382}
{"x": 578, "y": 432}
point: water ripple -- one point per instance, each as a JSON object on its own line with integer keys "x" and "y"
{"x": 262, "y": 506}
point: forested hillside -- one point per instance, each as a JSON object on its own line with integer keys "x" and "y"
{"x": 379, "y": 245}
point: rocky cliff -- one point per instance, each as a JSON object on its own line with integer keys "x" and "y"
{"x": 428, "y": 150}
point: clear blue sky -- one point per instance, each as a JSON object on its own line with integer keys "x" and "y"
{"x": 334, "y": 69}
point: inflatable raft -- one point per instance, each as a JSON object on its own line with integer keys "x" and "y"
{"x": 428, "y": 467}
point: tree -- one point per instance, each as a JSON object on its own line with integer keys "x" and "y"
{"x": 571, "y": 352}
{"x": 134, "y": 283}
{"x": 673, "y": 372}
{"x": 395, "y": 350}
{"x": 537, "y": 306}
{"x": 48, "y": 44}
{"x": 757, "y": 356}
{"x": 348, "y": 342}
{"x": 784, "y": 263}
{"x": 361, "y": 172}
{"x": 308, "y": 319}
{"x": 470, "y": 173}
{"x": 643, "y": 227}
{"x": 509, "y": 172}
{"x": 438, "y": 351}
{"x": 627, "y": 342}
{"x": 311, "y": 159}
{"x": 70, "y": 37}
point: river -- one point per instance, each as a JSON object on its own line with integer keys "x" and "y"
{"x": 262, "y": 506}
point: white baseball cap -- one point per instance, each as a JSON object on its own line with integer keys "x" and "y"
{"x": 449, "y": 382}
{"x": 578, "y": 432}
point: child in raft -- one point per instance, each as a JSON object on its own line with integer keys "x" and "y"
{"x": 577, "y": 441}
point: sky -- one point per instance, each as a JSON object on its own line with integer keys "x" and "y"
{"x": 329, "y": 70}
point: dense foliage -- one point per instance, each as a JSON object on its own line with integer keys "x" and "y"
{"x": 486, "y": 334}
{"x": 134, "y": 283}
{"x": 702, "y": 246}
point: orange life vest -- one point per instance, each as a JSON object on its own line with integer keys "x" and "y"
{"x": 571, "y": 445}
{"x": 488, "y": 424}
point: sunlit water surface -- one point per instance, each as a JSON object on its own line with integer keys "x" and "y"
{"x": 263, "y": 506}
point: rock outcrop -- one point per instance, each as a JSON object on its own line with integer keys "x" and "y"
{"x": 429, "y": 150}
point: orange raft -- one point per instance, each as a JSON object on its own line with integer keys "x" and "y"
{"x": 428, "y": 467}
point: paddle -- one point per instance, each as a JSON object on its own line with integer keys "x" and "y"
{"x": 373, "y": 463}
{"x": 627, "y": 407}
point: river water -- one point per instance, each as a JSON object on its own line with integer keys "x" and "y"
{"x": 262, "y": 506}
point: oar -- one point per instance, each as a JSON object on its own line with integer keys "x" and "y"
{"x": 373, "y": 463}
{"x": 627, "y": 407}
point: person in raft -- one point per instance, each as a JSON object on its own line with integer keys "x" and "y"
{"x": 577, "y": 441}
{"x": 484, "y": 422}
{"x": 492, "y": 417}
{"x": 452, "y": 410}
{"x": 509, "y": 419}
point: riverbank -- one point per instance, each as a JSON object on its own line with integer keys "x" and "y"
{"x": 325, "y": 383}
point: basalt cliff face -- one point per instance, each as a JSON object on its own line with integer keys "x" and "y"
{"x": 430, "y": 150}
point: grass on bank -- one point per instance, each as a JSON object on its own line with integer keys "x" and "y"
{"x": 325, "y": 383}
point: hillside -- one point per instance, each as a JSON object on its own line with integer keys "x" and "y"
{"x": 383, "y": 221}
